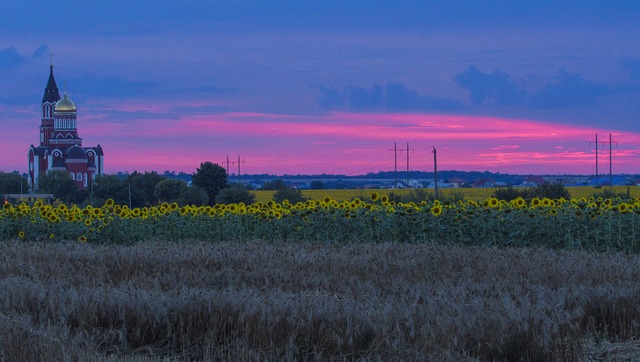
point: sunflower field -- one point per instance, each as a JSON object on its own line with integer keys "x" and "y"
{"x": 583, "y": 223}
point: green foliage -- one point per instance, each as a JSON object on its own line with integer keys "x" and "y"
{"x": 12, "y": 183}
{"x": 111, "y": 187}
{"x": 609, "y": 194}
{"x": 316, "y": 185}
{"x": 551, "y": 191}
{"x": 194, "y": 195}
{"x": 169, "y": 190}
{"x": 276, "y": 184}
{"x": 393, "y": 197}
{"x": 60, "y": 184}
{"x": 146, "y": 182}
{"x": 418, "y": 195}
{"x": 235, "y": 194}
{"x": 290, "y": 194}
{"x": 548, "y": 190}
{"x": 509, "y": 193}
{"x": 212, "y": 178}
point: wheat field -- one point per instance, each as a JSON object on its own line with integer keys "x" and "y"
{"x": 313, "y": 301}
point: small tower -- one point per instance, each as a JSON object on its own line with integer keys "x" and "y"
{"x": 51, "y": 96}
{"x": 65, "y": 126}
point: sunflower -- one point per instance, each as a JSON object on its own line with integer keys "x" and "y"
{"x": 623, "y": 208}
{"x": 375, "y": 196}
{"x": 82, "y": 239}
{"x": 21, "y": 234}
{"x": 436, "y": 210}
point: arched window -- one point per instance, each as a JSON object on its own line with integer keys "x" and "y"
{"x": 79, "y": 176}
{"x": 73, "y": 177}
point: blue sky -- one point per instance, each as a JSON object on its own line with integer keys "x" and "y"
{"x": 144, "y": 72}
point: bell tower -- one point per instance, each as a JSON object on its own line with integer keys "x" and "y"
{"x": 51, "y": 96}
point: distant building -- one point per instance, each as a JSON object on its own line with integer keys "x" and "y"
{"x": 484, "y": 183}
{"x": 533, "y": 181}
{"x": 60, "y": 146}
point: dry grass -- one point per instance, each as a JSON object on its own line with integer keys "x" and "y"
{"x": 304, "y": 301}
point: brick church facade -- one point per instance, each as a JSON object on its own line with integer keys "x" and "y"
{"x": 60, "y": 146}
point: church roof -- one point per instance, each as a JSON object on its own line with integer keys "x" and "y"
{"x": 59, "y": 163}
{"x": 65, "y": 105}
{"x": 76, "y": 153}
{"x": 51, "y": 93}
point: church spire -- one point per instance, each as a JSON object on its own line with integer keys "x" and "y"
{"x": 51, "y": 93}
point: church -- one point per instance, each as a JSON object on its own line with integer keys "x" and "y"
{"x": 60, "y": 146}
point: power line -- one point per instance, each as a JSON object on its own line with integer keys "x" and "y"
{"x": 408, "y": 149}
{"x": 610, "y": 142}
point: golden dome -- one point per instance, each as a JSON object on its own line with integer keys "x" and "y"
{"x": 65, "y": 105}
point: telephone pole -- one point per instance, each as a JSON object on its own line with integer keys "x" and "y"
{"x": 596, "y": 143}
{"x": 435, "y": 172}
{"x": 611, "y": 142}
{"x": 395, "y": 163}
{"x": 239, "y": 162}
{"x": 408, "y": 149}
{"x": 226, "y": 163}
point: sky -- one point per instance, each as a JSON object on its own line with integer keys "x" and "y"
{"x": 332, "y": 86}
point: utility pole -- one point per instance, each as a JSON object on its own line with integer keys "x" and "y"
{"x": 611, "y": 142}
{"x": 226, "y": 163}
{"x": 234, "y": 162}
{"x": 596, "y": 143}
{"x": 408, "y": 149}
{"x": 395, "y": 163}
{"x": 435, "y": 172}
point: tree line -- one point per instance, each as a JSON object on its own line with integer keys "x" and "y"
{"x": 209, "y": 185}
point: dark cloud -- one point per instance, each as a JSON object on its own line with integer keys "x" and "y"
{"x": 110, "y": 87}
{"x": 329, "y": 98}
{"x": 570, "y": 91}
{"x": 633, "y": 67}
{"x": 495, "y": 88}
{"x": 399, "y": 98}
{"x": 360, "y": 98}
{"x": 10, "y": 58}
{"x": 41, "y": 52}
{"x": 391, "y": 97}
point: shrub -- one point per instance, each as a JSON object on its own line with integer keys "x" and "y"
{"x": 548, "y": 190}
{"x": 508, "y": 193}
{"x": 235, "y": 194}
{"x": 290, "y": 194}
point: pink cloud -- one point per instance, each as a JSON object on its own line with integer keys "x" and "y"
{"x": 346, "y": 143}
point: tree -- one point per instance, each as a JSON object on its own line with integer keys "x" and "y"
{"x": 290, "y": 194}
{"x": 194, "y": 195}
{"x": 235, "y": 194}
{"x": 111, "y": 187}
{"x": 316, "y": 185}
{"x": 212, "y": 178}
{"x": 146, "y": 182}
{"x": 58, "y": 183}
{"x": 169, "y": 190}
{"x": 12, "y": 183}
{"x": 276, "y": 184}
